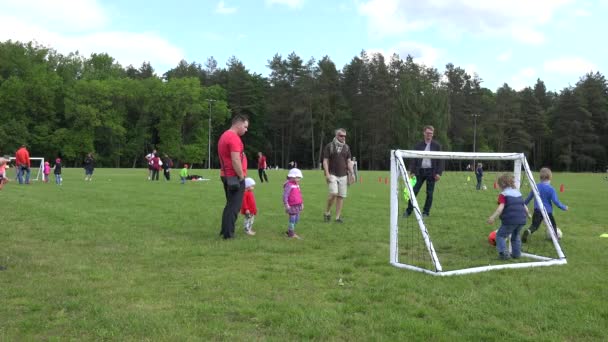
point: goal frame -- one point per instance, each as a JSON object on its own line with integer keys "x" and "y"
{"x": 520, "y": 164}
{"x": 40, "y": 169}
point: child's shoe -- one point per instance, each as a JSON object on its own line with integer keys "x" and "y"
{"x": 250, "y": 232}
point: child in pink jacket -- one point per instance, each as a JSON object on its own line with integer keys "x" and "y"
{"x": 292, "y": 199}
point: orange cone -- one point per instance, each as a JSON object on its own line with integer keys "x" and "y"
{"x": 385, "y": 180}
{"x": 379, "y": 179}
{"x": 495, "y": 185}
{"x": 561, "y": 188}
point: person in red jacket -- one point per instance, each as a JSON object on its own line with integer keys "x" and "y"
{"x": 249, "y": 209}
{"x": 22, "y": 162}
{"x": 262, "y": 167}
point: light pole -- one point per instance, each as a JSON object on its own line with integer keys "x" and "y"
{"x": 475, "y": 116}
{"x": 209, "y": 144}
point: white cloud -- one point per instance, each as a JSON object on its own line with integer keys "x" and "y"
{"x": 505, "y": 56}
{"x": 581, "y": 12}
{"x": 222, "y": 9}
{"x": 576, "y": 66}
{"x": 80, "y": 26}
{"x": 525, "y": 77}
{"x": 519, "y": 19}
{"x": 293, "y": 4}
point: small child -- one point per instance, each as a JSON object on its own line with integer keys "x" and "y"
{"x": 479, "y": 175}
{"x": 47, "y": 171}
{"x": 548, "y": 196}
{"x": 292, "y": 199}
{"x": 248, "y": 208}
{"x": 3, "y": 165}
{"x": 513, "y": 214}
{"x": 57, "y": 171}
{"x": 183, "y": 174}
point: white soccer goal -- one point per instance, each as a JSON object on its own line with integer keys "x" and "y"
{"x": 453, "y": 239}
{"x": 36, "y": 168}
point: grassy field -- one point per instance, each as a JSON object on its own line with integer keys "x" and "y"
{"x": 122, "y": 258}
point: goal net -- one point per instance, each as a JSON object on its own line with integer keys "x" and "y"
{"x": 454, "y": 237}
{"x": 36, "y": 168}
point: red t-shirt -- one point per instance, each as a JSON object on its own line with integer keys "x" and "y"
{"x": 249, "y": 203}
{"x": 262, "y": 162}
{"x": 230, "y": 142}
{"x": 22, "y": 157}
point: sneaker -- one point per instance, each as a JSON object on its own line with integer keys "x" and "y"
{"x": 339, "y": 220}
{"x": 524, "y": 236}
{"x": 326, "y": 217}
{"x": 250, "y": 232}
{"x": 515, "y": 256}
{"x": 502, "y": 256}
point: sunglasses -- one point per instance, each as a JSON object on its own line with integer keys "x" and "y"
{"x": 342, "y": 135}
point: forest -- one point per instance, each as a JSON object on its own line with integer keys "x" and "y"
{"x": 70, "y": 105}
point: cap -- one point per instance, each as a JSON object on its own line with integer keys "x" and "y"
{"x": 249, "y": 182}
{"x": 295, "y": 173}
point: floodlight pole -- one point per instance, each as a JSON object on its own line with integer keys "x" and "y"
{"x": 209, "y": 143}
{"x": 475, "y": 116}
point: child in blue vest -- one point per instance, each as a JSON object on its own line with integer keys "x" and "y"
{"x": 513, "y": 213}
{"x": 548, "y": 196}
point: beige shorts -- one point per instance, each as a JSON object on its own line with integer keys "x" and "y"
{"x": 338, "y": 185}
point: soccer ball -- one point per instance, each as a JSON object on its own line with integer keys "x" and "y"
{"x": 484, "y": 187}
{"x": 559, "y": 233}
{"x": 492, "y": 238}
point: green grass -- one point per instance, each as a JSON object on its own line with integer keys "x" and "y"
{"x": 122, "y": 258}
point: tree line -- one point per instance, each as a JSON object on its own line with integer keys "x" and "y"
{"x": 69, "y": 105}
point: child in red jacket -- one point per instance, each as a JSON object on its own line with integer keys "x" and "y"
{"x": 248, "y": 208}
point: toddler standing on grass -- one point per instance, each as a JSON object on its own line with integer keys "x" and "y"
{"x": 548, "y": 196}
{"x": 292, "y": 199}
{"x": 248, "y": 208}
{"x": 57, "y": 171}
{"x": 47, "y": 171}
{"x": 3, "y": 164}
{"x": 183, "y": 174}
{"x": 513, "y": 214}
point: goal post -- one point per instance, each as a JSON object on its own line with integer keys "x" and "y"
{"x": 453, "y": 239}
{"x": 36, "y": 168}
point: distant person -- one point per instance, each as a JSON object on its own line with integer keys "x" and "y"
{"x": 479, "y": 175}
{"x": 22, "y": 163}
{"x": 513, "y": 214}
{"x": 89, "y": 167}
{"x": 4, "y": 161}
{"x": 548, "y": 196}
{"x": 167, "y": 166}
{"x": 149, "y": 158}
{"x": 355, "y": 169}
{"x": 426, "y": 170}
{"x": 46, "y": 172}
{"x": 183, "y": 174}
{"x": 57, "y": 171}
{"x": 338, "y": 170}
{"x": 262, "y": 166}
{"x": 293, "y": 201}
{"x": 233, "y": 162}
{"x": 249, "y": 208}
{"x": 156, "y": 166}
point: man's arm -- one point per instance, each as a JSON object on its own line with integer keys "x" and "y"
{"x": 326, "y": 167}
{"x": 236, "y": 164}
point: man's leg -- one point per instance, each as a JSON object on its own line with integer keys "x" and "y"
{"x": 265, "y": 175}
{"x": 261, "y": 174}
{"x": 331, "y": 198}
{"x": 419, "y": 182}
{"x": 27, "y": 175}
{"x": 231, "y": 210}
{"x": 20, "y": 174}
{"x": 428, "y": 203}
{"x": 339, "y": 204}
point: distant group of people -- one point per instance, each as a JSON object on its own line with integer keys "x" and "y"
{"x": 23, "y": 167}
{"x": 156, "y": 163}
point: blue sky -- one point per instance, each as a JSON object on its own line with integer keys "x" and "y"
{"x": 512, "y": 42}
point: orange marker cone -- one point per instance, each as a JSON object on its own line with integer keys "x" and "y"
{"x": 379, "y": 179}
{"x": 385, "y": 180}
{"x": 360, "y": 179}
{"x": 561, "y": 188}
{"x": 495, "y": 185}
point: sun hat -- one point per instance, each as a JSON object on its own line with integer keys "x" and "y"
{"x": 295, "y": 173}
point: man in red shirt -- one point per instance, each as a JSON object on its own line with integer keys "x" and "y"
{"x": 22, "y": 162}
{"x": 262, "y": 167}
{"x": 233, "y": 161}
